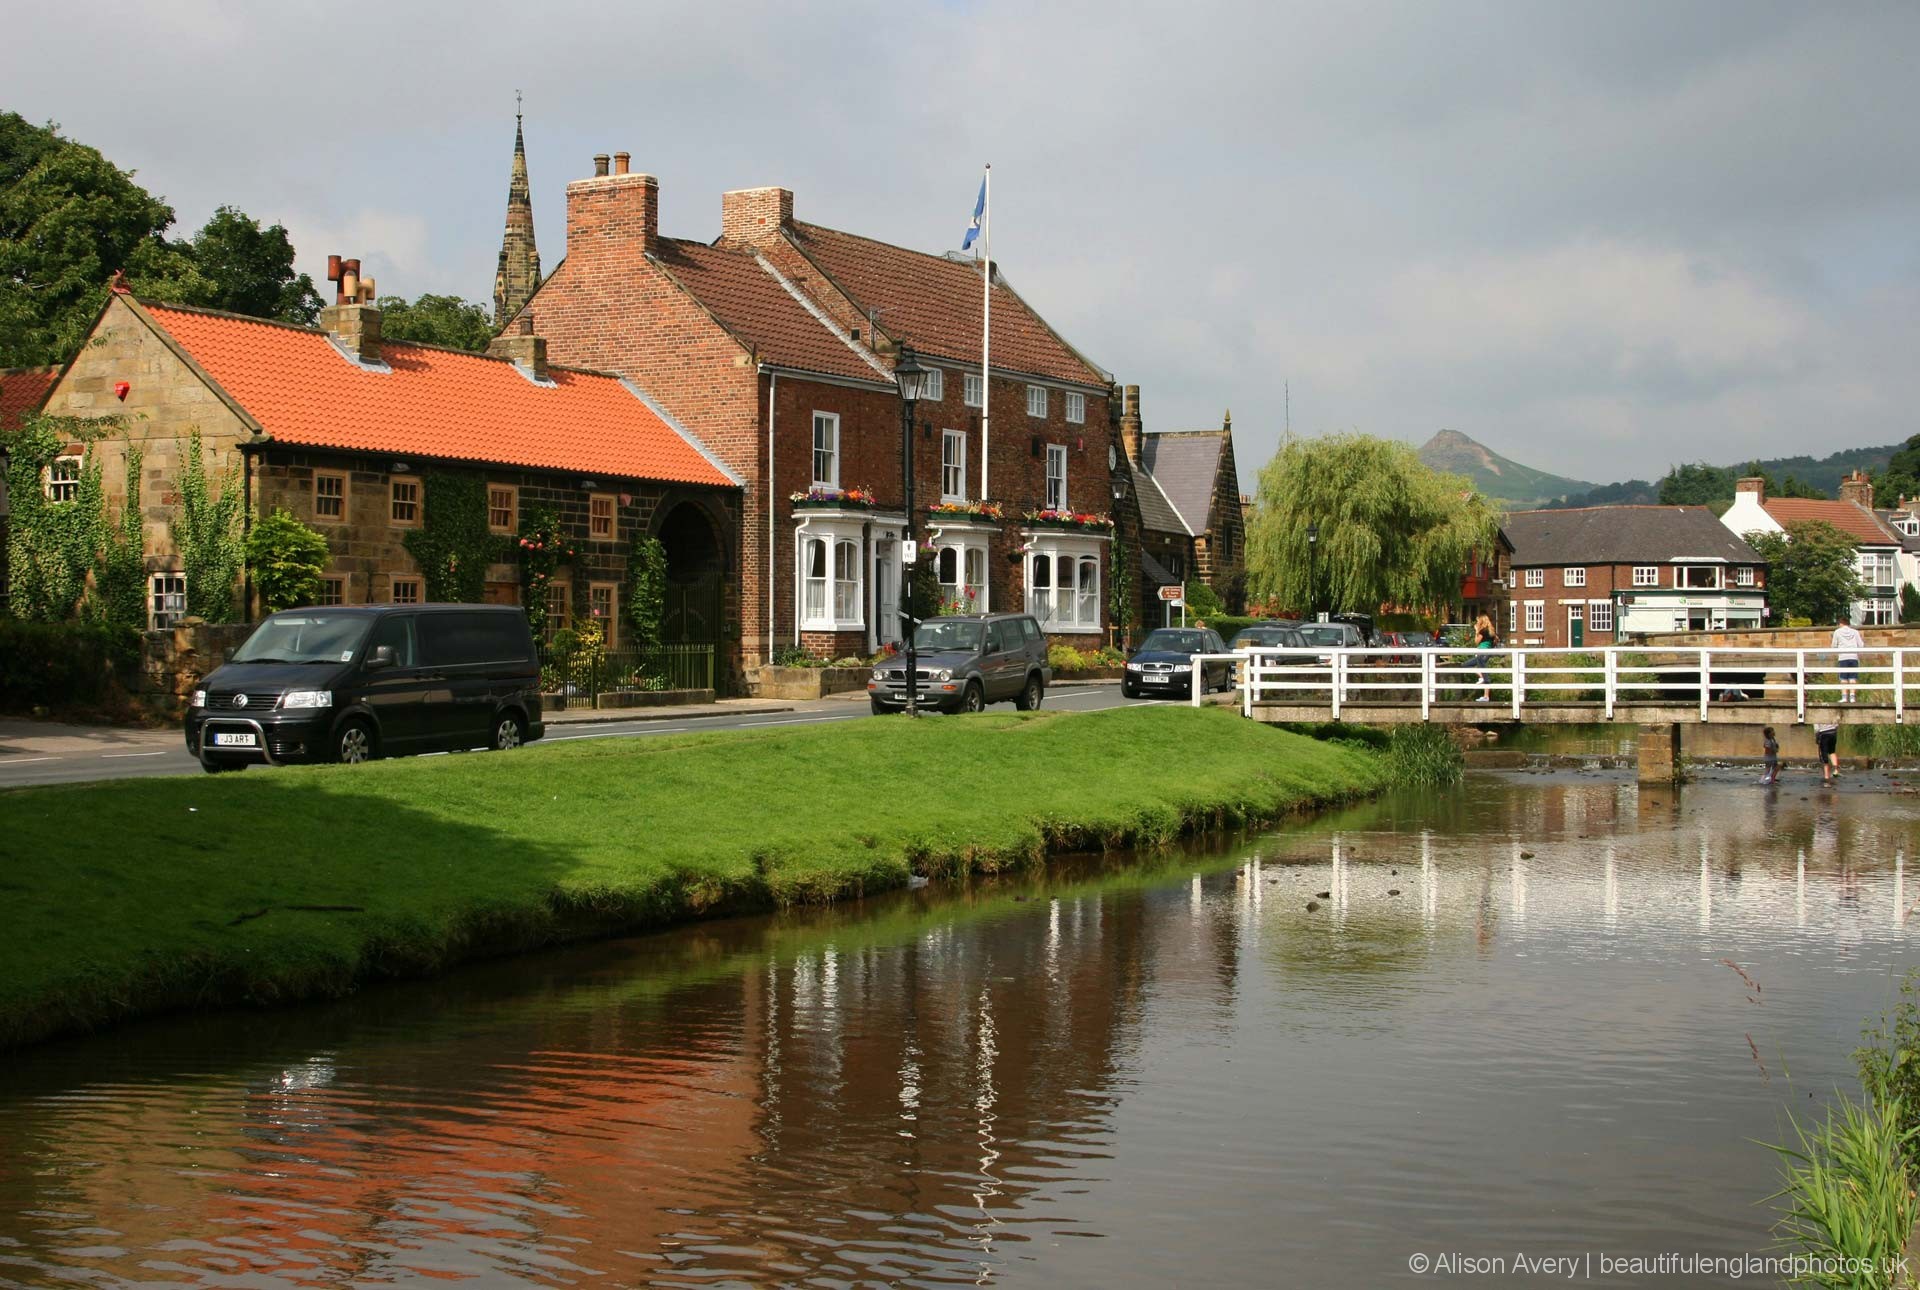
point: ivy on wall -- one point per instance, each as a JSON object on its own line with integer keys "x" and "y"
{"x": 646, "y": 591}
{"x": 288, "y": 559}
{"x": 453, "y": 545}
{"x": 1120, "y": 603}
{"x": 208, "y": 533}
{"x": 543, "y": 546}
{"x": 67, "y": 557}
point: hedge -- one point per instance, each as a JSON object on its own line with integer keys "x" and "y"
{"x": 64, "y": 665}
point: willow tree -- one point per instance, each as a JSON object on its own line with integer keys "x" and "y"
{"x": 1390, "y": 530}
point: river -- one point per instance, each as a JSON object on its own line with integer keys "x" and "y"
{"x": 1508, "y": 1026}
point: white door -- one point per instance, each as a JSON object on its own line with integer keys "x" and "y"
{"x": 886, "y": 582}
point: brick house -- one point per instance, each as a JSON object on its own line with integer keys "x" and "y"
{"x": 1596, "y": 575}
{"x": 351, "y": 434}
{"x": 1877, "y": 544}
{"x": 1189, "y": 484}
{"x": 775, "y": 345}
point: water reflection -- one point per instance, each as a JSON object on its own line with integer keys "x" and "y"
{"x": 1505, "y": 1024}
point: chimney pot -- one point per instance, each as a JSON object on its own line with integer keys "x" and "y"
{"x": 599, "y": 164}
{"x": 620, "y": 162}
{"x": 1858, "y": 489}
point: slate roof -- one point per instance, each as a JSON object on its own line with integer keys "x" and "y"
{"x": 1851, "y": 518}
{"x": 1186, "y": 463}
{"x": 433, "y": 402}
{"x": 23, "y": 390}
{"x": 1156, "y": 573}
{"x": 1156, "y": 512}
{"x": 1623, "y": 535}
{"x": 933, "y": 304}
{"x": 1911, "y": 545}
{"x": 749, "y": 300}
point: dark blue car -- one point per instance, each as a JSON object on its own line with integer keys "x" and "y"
{"x": 1163, "y": 665}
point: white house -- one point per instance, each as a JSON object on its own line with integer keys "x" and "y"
{"x": 1877, "y": 544}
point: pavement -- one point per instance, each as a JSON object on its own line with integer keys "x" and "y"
{"x": 46, "y": 752}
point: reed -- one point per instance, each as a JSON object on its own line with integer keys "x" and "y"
{"x": 1848, "y": 1206}
{"x": 1424, "y": 754}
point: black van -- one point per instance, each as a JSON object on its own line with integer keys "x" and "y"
{"x": 349, "y": 683}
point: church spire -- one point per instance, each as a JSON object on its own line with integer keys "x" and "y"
{"x": 519, "y": 272}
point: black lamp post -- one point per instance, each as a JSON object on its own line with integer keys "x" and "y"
{"x": 1313, "y": 581}
{"x": 912, "y": 380}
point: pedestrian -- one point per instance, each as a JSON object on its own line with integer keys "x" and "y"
{"x": 1770, "y": 747}
{"x": 1827, "y": 734}
{"x": 1483, "y": 638}
{"x": 1846, "y": 639}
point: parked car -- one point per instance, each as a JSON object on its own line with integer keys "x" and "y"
{"x": 1276, "y": 634}
{"x": 1362, "y": 623}
{"x": 1164, "y": 663}
{"x": 1332, "y": 635}
{"x": 963, "y": 662}
{"x": 350, "y": 683}
{"x": 1409, "y": 643}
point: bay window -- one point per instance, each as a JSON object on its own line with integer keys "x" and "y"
{"x": 1063, "y": 582}
{"x": 832, "y": 575}
{"x": 846, "y": 580}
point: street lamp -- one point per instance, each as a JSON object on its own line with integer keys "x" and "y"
{"x": 912, "y": 380}
{"x": 1313, "y": 596}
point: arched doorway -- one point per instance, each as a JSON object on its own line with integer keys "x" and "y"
{"x": 696, "y": 568}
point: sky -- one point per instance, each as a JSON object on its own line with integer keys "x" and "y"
{"x": 1601, "y": 238}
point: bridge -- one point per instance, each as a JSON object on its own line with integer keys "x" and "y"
{"x": 1660, "y": 690}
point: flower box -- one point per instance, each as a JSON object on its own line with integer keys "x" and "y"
{"x": 832, "y": 499}
{"x": 1070, "y": 522}
{"x": 975, "y": 512}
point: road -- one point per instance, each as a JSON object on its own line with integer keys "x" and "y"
{"x": 38, "y": 753}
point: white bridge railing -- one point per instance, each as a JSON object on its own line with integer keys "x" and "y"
{"x": 1511, "y": 680}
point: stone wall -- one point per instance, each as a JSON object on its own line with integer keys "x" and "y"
{"x": 1898, "y": 637}
{"x": 172, "y": 662}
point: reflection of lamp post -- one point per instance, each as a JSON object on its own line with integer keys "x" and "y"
{"x": 912, "y": 380}
{"x": 1313, "y": 596}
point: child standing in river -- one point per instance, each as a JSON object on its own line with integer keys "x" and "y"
{"x": 1770, "y": 747}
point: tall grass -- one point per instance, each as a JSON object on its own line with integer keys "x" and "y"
{"x": 1881, "y": 740}
{"x": 1424, "y": 754}
{"x": 1848, "y": 1206}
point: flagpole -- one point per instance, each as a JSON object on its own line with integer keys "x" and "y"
{"x": 986, "y": 334}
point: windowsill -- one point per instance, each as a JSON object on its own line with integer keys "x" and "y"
{"x": 831, "y": 625}
{"x": 1061, "y": 629}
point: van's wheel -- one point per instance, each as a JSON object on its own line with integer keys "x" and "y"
{"x": 1030, "y": 696}
{"x": 509, "y": 731}
{"x": 975, "y": 699}
{"x": 353, "y": 743}
{"x": 218, "y": 767}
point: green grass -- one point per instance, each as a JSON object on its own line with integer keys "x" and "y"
{"x": 1847, "y": 1195}
{"x": 137, "y": 896}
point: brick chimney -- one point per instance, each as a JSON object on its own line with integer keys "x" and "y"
{"x": 1751, "y": 484}
{"x": 1130, "y": 424}
{"x": 528, "y": 351}
{"x": 611, "y": 215}
{"x": 755, "y": 215}
{"x": 353, "y": 320}
{"x": 1857, "y": 488}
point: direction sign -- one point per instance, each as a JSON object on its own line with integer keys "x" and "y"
{"x": 1174, "y": 595}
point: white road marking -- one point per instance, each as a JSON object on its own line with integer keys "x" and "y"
{"x": 21, "y": 761}
{"x": 162, "y": 753}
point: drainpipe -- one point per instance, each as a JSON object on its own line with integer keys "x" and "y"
{"x": 246, "y": 526}
{"x": 867, "y": 559}
{"x": 773, "y": 385}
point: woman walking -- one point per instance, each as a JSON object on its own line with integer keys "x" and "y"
{"x": 1483, "y": 638}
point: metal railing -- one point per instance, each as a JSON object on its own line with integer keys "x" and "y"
{"x": 581, "y": 678}
{"x": 1606, "y": 679}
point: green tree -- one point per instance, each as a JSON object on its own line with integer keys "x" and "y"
{"x": 1201, "y": 600}
{"x": 1697, "y": 484}
{"x": 1811, "y": 572}
{"x": 436, "y": 320}
{"x": 286, "y": 559}
{"x": 246, "y": 269}
{"x": 1910, "y": 603}
{"x": 68, "y": 219}
{"x": 1390, "y": 529}
{"x": 1901, "y": 478}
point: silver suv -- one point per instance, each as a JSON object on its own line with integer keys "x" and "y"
{"x": 966, "y": 661}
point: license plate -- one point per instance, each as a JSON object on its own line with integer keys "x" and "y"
{"x": 1160, "y": 680}
{"x": 241, "y": 739}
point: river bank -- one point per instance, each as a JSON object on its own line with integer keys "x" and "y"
{"x": 130, "y": 898}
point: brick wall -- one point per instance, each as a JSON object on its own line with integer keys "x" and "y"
{"x": 1603, "y": 582}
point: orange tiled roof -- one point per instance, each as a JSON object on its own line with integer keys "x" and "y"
{"x": 933, "y": 304}
{"x": 1856, "y": 521}
{"x": 750, "y": 302}
{"x": 434, "y": 402}
{"x": 22, "y": 390}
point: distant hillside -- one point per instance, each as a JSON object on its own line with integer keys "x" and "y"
{"x": 1822, "y": 473}
{"x": 1499, "y": 478}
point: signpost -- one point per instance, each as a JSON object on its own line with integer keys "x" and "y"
{"x": 1171, "y": 596}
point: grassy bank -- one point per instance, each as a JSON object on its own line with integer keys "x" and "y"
{"x": 137, "y": 896}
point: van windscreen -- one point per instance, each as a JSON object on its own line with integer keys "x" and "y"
{"x": 305, "y": 636}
